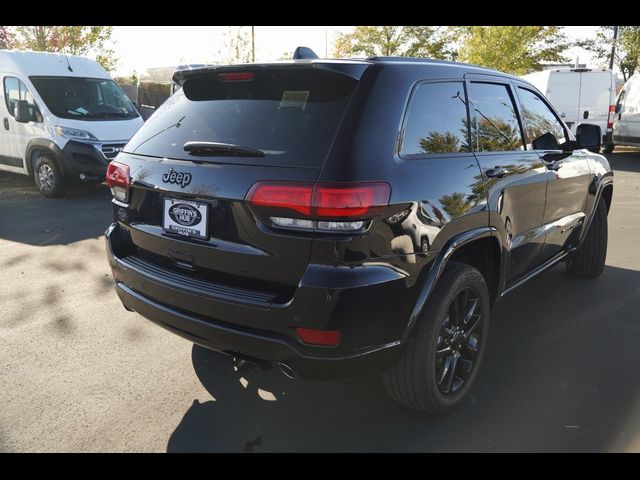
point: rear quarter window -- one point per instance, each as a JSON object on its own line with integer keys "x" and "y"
{"x": 436, "y": 120}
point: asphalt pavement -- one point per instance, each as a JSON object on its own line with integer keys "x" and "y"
{"x": 79, "y": 373}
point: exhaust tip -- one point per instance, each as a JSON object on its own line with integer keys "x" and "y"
{"x": 287, "y": 371}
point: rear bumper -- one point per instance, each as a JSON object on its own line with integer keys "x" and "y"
{"x": 233, "y": 340}
{"x": 266, "y": 332}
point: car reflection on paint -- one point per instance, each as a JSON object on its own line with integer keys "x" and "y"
{"x": 415, "y": 231}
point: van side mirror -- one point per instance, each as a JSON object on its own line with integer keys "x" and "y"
{"x": 588, "y": 136}
{"x": 23, "y": 111}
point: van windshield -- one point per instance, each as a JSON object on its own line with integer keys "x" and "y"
{"x": 84, "y": 98}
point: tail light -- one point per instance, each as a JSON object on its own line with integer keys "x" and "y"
{"x": 612, "y": 112}
{"x": 325, "y": 207}
{"x": 119, "y": 180}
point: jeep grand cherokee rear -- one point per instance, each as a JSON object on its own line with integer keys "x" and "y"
{"x": 332, "y": 217}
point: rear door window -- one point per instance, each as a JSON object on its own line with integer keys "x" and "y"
{"x": 436, "y": 120}
{"x": 291, "y": 115}
{"x": 494, "y": 123}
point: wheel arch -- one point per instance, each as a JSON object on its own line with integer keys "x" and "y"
{"x": 38, "y": 146}
{"x": 480, "y": 248}
{"x": 605, "y": 191}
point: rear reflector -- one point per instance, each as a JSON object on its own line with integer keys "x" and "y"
{"x": 118, "y": 180}
{"x": 327, "y": 338}
{"x": 236, "y": 76}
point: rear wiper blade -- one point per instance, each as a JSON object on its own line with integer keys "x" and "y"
{"x": 214, "y": 149}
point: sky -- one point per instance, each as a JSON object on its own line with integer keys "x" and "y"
{"x": 139, "y": 48}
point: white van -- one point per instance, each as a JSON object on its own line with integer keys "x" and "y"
{"x": 581, "y": 95}
{"x": 63, "y": 118}
{"x": 626, "y": 121}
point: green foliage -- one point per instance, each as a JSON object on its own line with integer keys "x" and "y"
{"x": 627, "y": 56}
{"x": 6, "y": 37}
{"x": 406, "y": 41}
{"x": 436, "y": 142}
{"x": 512, "y": 49}
{"x": 74, "y": 39}
{"x": 130, "y": 80}
{"x": 455, "y": 204}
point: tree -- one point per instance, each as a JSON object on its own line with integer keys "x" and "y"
{"x": 437, "y": 142}
{"x": 512, "y": 49}
{"x": 74, "y": 40}
{"x": 130, "y": 80}
{"x": 627, "y": 56}
{"x": 455, "y": 204}
{"x": 406, "y": 41}
{"x": 236, "y": 46}
{"x": 5, "y": 37}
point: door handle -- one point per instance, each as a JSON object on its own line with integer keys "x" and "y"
{"x": 585, "y": 115}
{"x": 555, "y": 166}
{"x": 497, "y": 172}
{"x": 5, "y": 122}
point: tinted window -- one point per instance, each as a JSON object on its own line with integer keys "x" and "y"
{"x": 84, "y": 98}
{"x": 541, "y": 127}
{"x": 437, "y": 120}
{"x": 290, "y": 115}
{"x": 494, "y": 124}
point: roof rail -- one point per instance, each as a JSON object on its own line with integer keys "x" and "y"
{"x": 391, "y": 58}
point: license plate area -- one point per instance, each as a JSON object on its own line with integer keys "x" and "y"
{"x": 186, "y": 218}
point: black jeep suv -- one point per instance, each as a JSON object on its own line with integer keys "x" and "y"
{"x": 341, "y": 217}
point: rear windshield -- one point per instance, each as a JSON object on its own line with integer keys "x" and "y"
{"x": 290, "y": 115}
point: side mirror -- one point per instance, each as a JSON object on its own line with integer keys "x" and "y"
{"x": 545, "y": 142}
{"x": 588, "y": 136}
{"x": 23, "y": 111}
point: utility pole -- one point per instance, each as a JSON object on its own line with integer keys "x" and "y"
{"x": 326, "y": 53}
{"x": 253, "y": 45}
{"x": 613, "y": 47}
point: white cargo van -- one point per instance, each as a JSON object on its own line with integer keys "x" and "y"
{"x": 63, "y": 118}
{"x": 581, "y": 95}
{"x": 626, "y": 121}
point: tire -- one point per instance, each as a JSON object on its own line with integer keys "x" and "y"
{"x": 413, "y": 380}
{"x": 608, "y": 148}
{"x": 48, "y": 177}
{"x": 588, "y": 261}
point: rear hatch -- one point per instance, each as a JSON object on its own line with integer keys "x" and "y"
{"x": 202, "y": 151}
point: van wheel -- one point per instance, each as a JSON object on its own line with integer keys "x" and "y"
{"x": 588, "y": 261}
{"x": 440, "y": 364}
{"x": 608, "y": 148}
{"x": 48, "y": 177}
